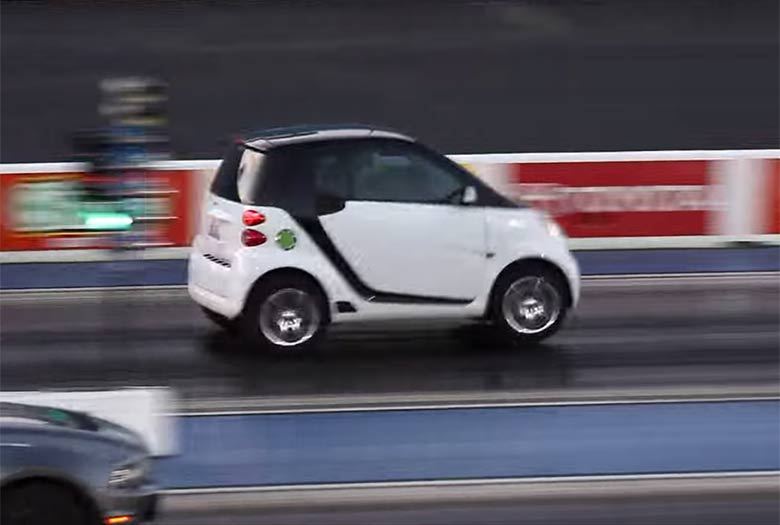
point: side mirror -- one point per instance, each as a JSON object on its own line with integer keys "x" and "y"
{"x": 469, "y": 195}
{"x": 327, "y": 204}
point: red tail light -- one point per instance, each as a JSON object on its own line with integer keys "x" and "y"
{"x": 252, "y": 238}
{"x": 252, "y": 218}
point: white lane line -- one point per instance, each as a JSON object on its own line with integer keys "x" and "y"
{"x": 682, "y": 242}
{"x": 478, "y": 405}
{"x": 478, "y": 482}
{"x": 69, "y": 167}
{"x": 614, "y": 156}
{"x": 588, "y": 280}
{"x": 93, "y": 255}
{"x": 762, "y": 390}
{"x": 698, "y": 276}
{"x": 573, "y": 156}
{"x": 90, "y": 289}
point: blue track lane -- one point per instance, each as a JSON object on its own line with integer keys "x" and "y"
{"x": 601, "y": 262}
{"x": 474, "y": 443}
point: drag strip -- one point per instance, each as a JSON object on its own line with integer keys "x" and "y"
{"x": 709, "y": 333}
{"x": 723, "y": 499}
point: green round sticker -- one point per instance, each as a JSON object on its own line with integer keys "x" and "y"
{"x": 286, "y": 239}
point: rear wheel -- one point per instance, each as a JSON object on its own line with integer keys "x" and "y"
{"x": 529, "y": 304}
{"x": 43, "y": 503}
{"x": 285, "y": 314}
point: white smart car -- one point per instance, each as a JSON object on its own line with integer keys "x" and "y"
{"x": 309, "y": 226}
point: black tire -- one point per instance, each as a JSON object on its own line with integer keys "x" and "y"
{"x": 43, "y": 503}
{"x": 229, "y": 325}
{"x": 504, "y": 329}
{"x": 268, "y": 288}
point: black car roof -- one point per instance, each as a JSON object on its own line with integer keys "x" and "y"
{"x": 304, "y": 129}
{"x": 274, "y": 137}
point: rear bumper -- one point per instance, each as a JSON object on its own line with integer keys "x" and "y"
{"x": 210, "y": 285}
{"x": 214, "y": 302}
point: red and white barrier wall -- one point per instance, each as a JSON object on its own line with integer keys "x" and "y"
{"x": 603, "y": 200}
{"x": 732, "y": 194}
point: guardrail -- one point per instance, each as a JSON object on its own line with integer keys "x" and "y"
{"x": 604, "y": 200}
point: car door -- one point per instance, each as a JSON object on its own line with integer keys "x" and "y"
{"x": 401, "y": 229}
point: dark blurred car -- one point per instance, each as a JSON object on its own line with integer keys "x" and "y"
{"x": 65, "y": 467}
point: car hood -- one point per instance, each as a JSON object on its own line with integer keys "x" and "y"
{"x": 59, "y": 418}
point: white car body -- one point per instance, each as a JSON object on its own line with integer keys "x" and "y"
{"x": 374, "y": 260}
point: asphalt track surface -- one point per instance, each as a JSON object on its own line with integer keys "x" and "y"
{"x": 646, "y": 509}
{"x": 713, "y": 332}
{"x": 487, "y": 76}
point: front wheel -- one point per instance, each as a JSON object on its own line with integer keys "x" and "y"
{"x": 42, "y": 503}
{"x": 529, "y": 305}
{"x": 286, "y": 314}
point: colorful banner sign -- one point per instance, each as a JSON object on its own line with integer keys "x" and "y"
{"x": 77, "y": 210}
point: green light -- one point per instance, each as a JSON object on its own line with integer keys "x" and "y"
{"x": 107, "y": 221}
{"x": 286, "y": 239}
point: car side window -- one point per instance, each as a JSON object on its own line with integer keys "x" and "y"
{"x": 249, "y": 175}
{"x": 395, "y": 172}
{"x": 224, "y": 183}
{"x": 332, "y": 174}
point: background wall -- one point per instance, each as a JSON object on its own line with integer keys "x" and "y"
{"x": 467, "y": 76}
